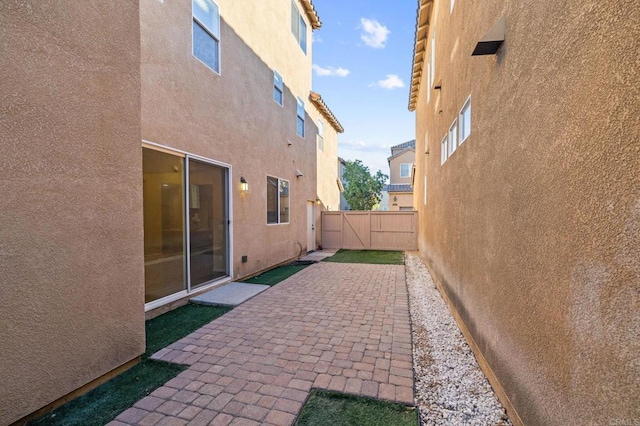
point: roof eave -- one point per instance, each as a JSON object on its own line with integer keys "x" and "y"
{"x": 420, "y": 46}
{"x": 310, "y": 10}
{"x": 316, "y": 99}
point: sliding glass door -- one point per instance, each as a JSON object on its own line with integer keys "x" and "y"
{"x": 186, "y": 223}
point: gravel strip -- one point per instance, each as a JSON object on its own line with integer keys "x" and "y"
{"x": 451, "y": 389}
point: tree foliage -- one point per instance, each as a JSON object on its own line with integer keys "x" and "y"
{"x": 362, "y": 190}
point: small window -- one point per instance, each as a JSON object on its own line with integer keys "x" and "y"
{"x": 453, "y": 136}
{"x": 465, "y": 121}
{"x": 452, "y": 3}
{"x": 298, "y": 27}
{"x": 300, "y": 120}
{"x": 320, "y": 136}
{"x": 206, "y": 33}
{"x": 278, "y": 88}
{"x": 277, "y": 200}
{"x": 433, "y": 59}
{"x": 405, "y": 170}
{"x": 429, "y": 81}
{"x": 443, "y": 150}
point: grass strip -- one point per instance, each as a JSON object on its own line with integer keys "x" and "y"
{"x": 102, "y": 404}
{"x": 331, "y": 408}
{"x": 378, "y": 257}
{"x": 275, "y": 275}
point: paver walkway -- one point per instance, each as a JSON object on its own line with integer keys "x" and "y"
{"x": 342, "y": 327}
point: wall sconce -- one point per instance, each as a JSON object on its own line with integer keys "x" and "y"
{"x": 318, "y": 201}
{"x": 244, "y": 186}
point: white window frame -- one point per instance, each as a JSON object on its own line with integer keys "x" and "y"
{"x": 433, "y": 58}
{"x": 320, "y": 135}
{"x": 464, "y": 112}
{"x": 443, "y": 150}
{"x": 278, "y": 88}
{"x": 453, "y": 136}
{"x": 429, "y": 81}
{"x": 215, "y": 35}
{"x": 408, "y": 170}
{"x": 452, "y": 3}
{"x": 298, "y": 26}
{"x": 424, "y": 201}
{"x": 300, "y": 115}
{"x": 278, "y": 200}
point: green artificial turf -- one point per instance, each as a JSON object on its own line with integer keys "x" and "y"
{"x": 331, "y": 409}
{"x": 275, "y": 275}
{"x": 102, "y": 404}
{"x": 382, "y": 257}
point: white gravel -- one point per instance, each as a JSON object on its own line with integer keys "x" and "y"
{"x": 451, "y": 389}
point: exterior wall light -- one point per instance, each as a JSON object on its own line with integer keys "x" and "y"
{"x": 244, "y": 186}
{"x": 492, "y": 40}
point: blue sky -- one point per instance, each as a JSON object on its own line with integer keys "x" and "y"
{"x": 362, "y": 66}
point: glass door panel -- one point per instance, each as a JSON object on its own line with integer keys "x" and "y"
{"x": 208, "y": 222}
{"x": 163, "y": 183}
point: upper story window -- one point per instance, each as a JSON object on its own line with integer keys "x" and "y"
{"x": 277, "y": 200}
{"x": 300, "y": 120}
{"x": 206, "y": 33}
{"x": 433, "y": 59}
{"x": 465, "y": 120}
{"x": 443, "y": 150}
{"x": 320, "y": 136}
{"x": 452, "y": 3}
{"x": 453, "y": 136}
{"x": 405, "y": 170}
{"x": 278, "y": 88}
{"x": 298, "y": 26}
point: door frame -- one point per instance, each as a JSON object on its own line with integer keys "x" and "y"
{"x": 229, "y": 212}
{"x": 311, "y": 217}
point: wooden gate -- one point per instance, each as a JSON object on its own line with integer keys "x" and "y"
{"x": 377, "y": 230}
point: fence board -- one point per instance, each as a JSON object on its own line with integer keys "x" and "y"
{"x": 357, "y": 230}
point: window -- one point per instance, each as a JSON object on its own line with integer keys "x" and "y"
{"x": 277, "y": 200}
{"x": 453, "y": 136}
{"x": 443, "y": 150}
{"x": 300, "y": 112}
{"x": 405, "y": 170}
{"x": 278, "y": 87}
{"x": 452, "y": 3}
{"x": 320, "y": 136}
{"x": 206, "y": 33}
{"x": 465, "y": 120}
{"x": 298, "y": 27}
{"x": 429, "y": 81}
{"x": 433, "y": 59}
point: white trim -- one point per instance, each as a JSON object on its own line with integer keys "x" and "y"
{"x": 466, "y": 104}
{"x": 444, "y": 154}
{"x": 453, "y": 139}
{"x": 182, "y": 153}
{"x": 275, "y": 71}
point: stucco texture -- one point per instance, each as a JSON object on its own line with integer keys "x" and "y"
{"x": 71, "y": 293}
{"x": 231, "y": 117}
{"x": 533, "y": 224}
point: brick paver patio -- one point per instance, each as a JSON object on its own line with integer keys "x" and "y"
{"x": 342, "y": 327}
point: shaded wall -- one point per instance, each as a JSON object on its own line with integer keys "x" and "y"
{"x": 71, "y": 244}
{"x": 533, "y": 225}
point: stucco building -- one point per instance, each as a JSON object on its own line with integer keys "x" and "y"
{"x": 399, "y": 191}
{"x": 151, "y": 151}
{"x": 528, "y": 187}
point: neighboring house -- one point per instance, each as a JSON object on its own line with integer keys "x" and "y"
{"x": 159, "y": 149}
{"x": 527, "y": 187}
{"x": 342, "y": 164}
{"x": 399, "y": 191}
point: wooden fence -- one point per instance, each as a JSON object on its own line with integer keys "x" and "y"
{"x": 377, "y": 230}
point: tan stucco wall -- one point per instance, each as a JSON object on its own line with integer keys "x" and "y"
{"x": 328, "y": 191}
{"x": 232, "y": 117}
{"x": 404, "y": 199}
{"x": 533, "y": 225}
{"x": 407, "y": 157}
{"x": 71, "y": 292}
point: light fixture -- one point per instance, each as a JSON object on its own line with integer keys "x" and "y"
{"x": 492, "y": 40}
{"x": 244, "y": 186}
{"x": 299, "y": 173}
{"x": 318, "y": 201}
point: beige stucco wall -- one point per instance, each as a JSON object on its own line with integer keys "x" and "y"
{"x": 72, "y": 288}
{"x": 404, "y": 199}
{"x": 407, "y": 157}
{"x": 232, "y": 117}
{"x": 533, "y": 225}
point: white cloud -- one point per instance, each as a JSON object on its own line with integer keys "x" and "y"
{"x": 391, "y": 82}
{"x": 374, "y": 33}
{"x": 330, "y": 71}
